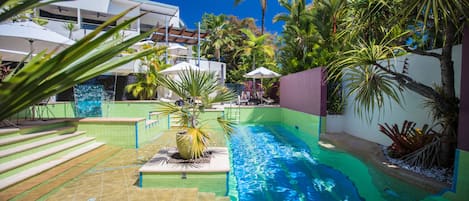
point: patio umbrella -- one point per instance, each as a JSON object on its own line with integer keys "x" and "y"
{"x": 179, "y": 67}
{"x": 30, "y": 37}
{"x": 140, "y": 44}
{"x": 261, "y": 73}
{"x": 176, "y": 49}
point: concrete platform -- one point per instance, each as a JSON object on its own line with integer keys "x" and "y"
{"x": 206, "y": 177}
{"x": 219, "y": 162}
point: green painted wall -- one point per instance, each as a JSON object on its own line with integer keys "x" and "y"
{"x": 305, "y": 122}
{"x": 115, "y": 109}
{"x": 205, "y": 182}
{"x": 122, "y": 134}
{"x": 462, "y": 182}
{"x": 129, "y": 109}
{"x": 260, "y": 115}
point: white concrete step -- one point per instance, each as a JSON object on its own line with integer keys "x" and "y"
{"x": 32, "y": 145}
{"x": 150, "y": 122}
{"x": 6, "y": 182}
{"x": 5, "y": 131}
{"x": 41, "y": 154}
{"x": 23, "y": 137}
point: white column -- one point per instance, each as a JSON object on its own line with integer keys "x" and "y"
{"x": 79, "y": 17}
{"x": 138, "y": 26}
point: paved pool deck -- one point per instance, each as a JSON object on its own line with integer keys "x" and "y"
{"x": 371, "y": 153}
{"x": 116, "y": 178}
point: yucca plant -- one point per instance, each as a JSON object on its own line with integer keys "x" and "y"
{"x": 47, "y": 74}
{"x": 197, "y": 90}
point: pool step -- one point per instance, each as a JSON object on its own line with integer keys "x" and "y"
{"x": 20, "y": 176}
{"x": 36, "y": 144}
{"x": 38, "y": 155}
{"x": 174, "y": 121}
{"x": 233, "y": 113}
{"x": 8, "y": 131}
{"x": 151, "y": 123}
{"x": 19, "y": 138}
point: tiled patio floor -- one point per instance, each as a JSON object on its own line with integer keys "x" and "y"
{"x": 116, "y": 178}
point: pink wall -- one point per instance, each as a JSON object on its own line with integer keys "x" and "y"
{"x": 463, "y": 130}
{"x": 304, "y": 91}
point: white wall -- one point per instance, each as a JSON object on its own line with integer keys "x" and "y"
{"x": 423, "y": 69}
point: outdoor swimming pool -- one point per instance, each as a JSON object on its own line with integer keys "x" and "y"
{"x": 276, "y": 162}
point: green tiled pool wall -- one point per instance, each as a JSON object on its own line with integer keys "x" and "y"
{"x": 205, "y": 182}
{"x": 119, "y": 134}
{"x": 109, "y": 109}
{"x": 123, "y": 134}
{"x": 460, "y": 189}
{"x": 259, "y": 115}
{"x": 304, "y": 122}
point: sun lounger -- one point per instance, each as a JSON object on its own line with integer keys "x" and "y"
{"x": 268, "y": 101}
{"x": 244, "y": 98}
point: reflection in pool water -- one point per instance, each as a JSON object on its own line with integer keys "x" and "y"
{"x": 277, "y": 162}
{"x": 271, "y": 164}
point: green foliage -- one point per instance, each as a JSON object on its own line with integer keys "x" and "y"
{"x": 147, "y": 83}
{"x": 70, "y": 27}
{"x": 47, "y": 74}
{"x": 370, "y": 87}
{"x": 447, "y": 118}
{"x": 368, "y": 81}
{"x": 310, "y": 36}
{"x": 18, "y": 9}
{"x": 198, "y": 90}
{"x": 227, "y": 43}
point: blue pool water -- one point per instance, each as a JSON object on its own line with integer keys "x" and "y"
{"x": 269, "y": 163}
{"x": 278, "y": 162}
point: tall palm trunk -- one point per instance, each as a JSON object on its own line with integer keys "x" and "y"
{"x": 263, "y": 21}
{"x": 254, "y": 79}
{"x": 447, "y": 82}
{"x": 264, "y": 7}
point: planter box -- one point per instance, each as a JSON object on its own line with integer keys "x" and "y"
{"x": 207, "y": 177}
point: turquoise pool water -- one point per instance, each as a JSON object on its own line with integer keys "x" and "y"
{"x": 276, "y": 162}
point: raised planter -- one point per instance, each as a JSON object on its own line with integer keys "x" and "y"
{"x": 212, "y": 176}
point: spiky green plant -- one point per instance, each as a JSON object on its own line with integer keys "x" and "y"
{"x": 146, "y": 86}
{"x": 47, "y": 74}
{"x": 197, "y": 90}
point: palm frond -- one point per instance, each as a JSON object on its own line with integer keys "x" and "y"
{"x": 46, "y": 75}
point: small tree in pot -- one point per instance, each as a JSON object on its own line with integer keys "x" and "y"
{"x": 198, "y": 90}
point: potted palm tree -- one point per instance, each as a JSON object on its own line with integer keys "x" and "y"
{"x": 198, "y": 90}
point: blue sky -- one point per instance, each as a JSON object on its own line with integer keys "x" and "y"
{"x": 191, "y": 11}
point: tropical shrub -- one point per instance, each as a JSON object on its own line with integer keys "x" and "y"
{"x": 407, "y": 139}
{"x": 146, "y": 86}
{"x": 198, "y": 90}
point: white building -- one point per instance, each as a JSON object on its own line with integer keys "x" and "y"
{"x": 86, "y": 15}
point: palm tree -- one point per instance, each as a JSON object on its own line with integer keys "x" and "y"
{"x": 198, "y": 90}
{"x": 263, "y": 9}
{"x": 256, "y": 45}
{"x": 444, "y": 18}
{"x": 218, "y": 37}
{"x": 301, "y": 44}
{"x": 70, "y": 27}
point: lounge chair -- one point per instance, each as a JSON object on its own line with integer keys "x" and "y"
{"x": 268, "y": 100}
{"x": 167, "y": 97}
{"x": 243, "y": 99}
